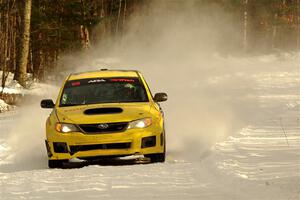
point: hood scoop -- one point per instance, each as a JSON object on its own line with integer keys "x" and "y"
{"x": 102, "y": 111}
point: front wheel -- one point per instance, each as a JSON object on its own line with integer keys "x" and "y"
{"x": 56, "y": 163}
{"x": 158, "y": 157}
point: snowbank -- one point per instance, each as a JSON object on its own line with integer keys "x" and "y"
{"x": 11, "y": 86}
{"x": 3, "y": 106}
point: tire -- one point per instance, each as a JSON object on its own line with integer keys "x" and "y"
{"x": 56, "y": 163}
{"x": 158, "y": 157}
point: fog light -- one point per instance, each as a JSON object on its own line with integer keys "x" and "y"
{"x": 60, "y": 147}
{"x": 148, "y": 141}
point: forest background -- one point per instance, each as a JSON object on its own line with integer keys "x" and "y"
{"x": 34, "y": 35}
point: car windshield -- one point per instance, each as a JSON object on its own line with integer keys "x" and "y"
{"x": 103, "y": 90}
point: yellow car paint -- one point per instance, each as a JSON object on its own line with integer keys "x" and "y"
{"x": 131, "y": 111}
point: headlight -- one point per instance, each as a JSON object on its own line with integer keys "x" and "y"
{"x": 140, "y": 123}
{"x": 66, "y": 128}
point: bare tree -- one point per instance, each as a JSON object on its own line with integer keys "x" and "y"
{"x": 23, "y": 48}
{"x": 7, "y": 30}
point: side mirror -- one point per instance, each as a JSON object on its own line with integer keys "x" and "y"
{"x": 159, "y": 97}
{"x": 47, "y": 103}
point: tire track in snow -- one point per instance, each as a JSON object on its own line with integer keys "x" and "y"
{"x": 269, "y": 148}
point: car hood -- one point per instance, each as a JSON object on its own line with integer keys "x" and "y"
{"x": 78, "y": 114}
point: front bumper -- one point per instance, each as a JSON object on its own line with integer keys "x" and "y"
{"x": 130, "y": 142}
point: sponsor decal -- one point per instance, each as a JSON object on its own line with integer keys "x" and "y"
{"x": 97, "y": 81}
{"x": 77, "y": 83}
{"x": 122, "y": 80}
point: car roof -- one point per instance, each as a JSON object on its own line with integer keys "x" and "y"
{"x": 104, "y": 73}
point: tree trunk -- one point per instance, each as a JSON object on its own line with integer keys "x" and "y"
{"x": 298, "y": 24}
{"x": 38, "y": 57}
{"x": 124, "y": 13}
{"x": 245, "y": 35}
{"x": 85, "y": 37}
{"x": 1, "y": 36}
{"x": 119, "y": 14}
{"x": 13, "y": 43}
{"x": 274, "y": 33}
{"x": 5, "y": 46}
{"x": 84, "y": 32}
{"x": 23, "y": 49}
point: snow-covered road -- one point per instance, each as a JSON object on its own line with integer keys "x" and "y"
{"x": 260, "y": 161}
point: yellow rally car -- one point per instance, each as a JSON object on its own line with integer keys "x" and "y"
{"x": 105, "y": 113}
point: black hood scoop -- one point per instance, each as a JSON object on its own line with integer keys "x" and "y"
{"x": 102, "y": 111}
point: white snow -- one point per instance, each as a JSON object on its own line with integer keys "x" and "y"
{"x": 11, "y": 86}
{"x": 34, "y": 88}
{"x": 246, "y": 147}
{"x": 3, "y": 106}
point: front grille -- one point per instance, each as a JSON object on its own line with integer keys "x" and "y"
{"x": 76, "y": 148}
{"x": 104, "y": 127}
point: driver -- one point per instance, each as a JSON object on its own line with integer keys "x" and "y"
{"x": 129, "y": 91}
